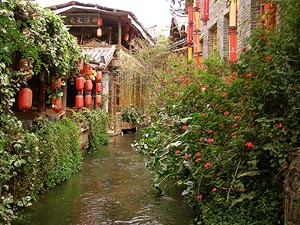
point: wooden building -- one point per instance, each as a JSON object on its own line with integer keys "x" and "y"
{"x": 108, "y": 37}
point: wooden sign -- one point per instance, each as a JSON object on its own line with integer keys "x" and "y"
{"x": 81, "y": 20}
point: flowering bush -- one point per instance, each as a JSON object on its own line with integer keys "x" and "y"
{"x": 224, "y": 133}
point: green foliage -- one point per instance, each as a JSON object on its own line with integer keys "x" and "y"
{"x": 224, "y": 133}
{"x": 60, "y": 155}
{"x": 36, "y": 161}
{"x": 17, "y": 152}
{"x": 132, "y": 115}
{"x": 97, "y": 121}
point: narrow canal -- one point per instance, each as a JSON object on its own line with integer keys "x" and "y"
{"x": 114, "y": 187}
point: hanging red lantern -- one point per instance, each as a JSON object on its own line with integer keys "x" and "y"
{"x": 79, "y": 83}
{"x": 98, "y": 87}
{"x": 88, "y": 85}
{"x": 205, "y": 10}
{"x": 56, "y": 104}
{"x": 56, "y": 84}
{"x": 190, "y": 35}
{"x": 79, "y": 101}
{"x": 98, "y": 76}
{"x": 127, "y": 27}
{"x": 25, "y": 99}
{"x": 99, "y": 21}
{"x": 88, "y": 100}
{"x": 98, "y": 99}
{"x": 126, "y": 37}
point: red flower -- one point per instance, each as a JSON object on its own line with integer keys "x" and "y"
{"x": 244, "y": 49}
{"x": 198, "y": 159}
{"x": 233, "y": 134}
{"x": 249, "y": 74}
{"x": 210, "y": 140}
{"x": 210, "y": 131}
{"x": 224, "y": 94}
{"x": 198, "y": 154}
{"x": 214, "y": 189}
{"x": 201, "y": 139}
{"x": 177, "y": 152}
{"x": 222, "y": 124}
{"x": 234, "y": 125}
{"x": 263, "y": 37}
{"x": 204, "y": 88}
{"x": 268, "y": 57}
{"x": 183, "y": 127}
{"x": 226, "y": 113}
{"x": 199, "y": 197}
{"x": 236, "y": 117}
{"x": 185, "y": 156}
{"x": 278, "y": 125}
{"x": 249, "y": 145}
{"x": 207, "y": 165}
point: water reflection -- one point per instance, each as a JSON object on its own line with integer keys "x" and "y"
{"x": 114, "y": 187}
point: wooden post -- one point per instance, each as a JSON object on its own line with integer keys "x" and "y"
{"x": 119, "y": 33}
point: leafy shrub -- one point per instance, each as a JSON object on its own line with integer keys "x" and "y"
{"x": 97, "y": 121}
{"x": 224, "y": 133}
{"x": 60, "y": 153}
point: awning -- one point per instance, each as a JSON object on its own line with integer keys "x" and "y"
{"x": 100, "y": 56}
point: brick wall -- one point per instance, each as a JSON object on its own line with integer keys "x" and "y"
{"x": 247, "y": 19}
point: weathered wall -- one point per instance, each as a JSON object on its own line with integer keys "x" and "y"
{"x": 248, "y": 12}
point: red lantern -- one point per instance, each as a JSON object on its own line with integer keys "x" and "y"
{"x": 190, "y": 35}
{"x": 88, "y": 85}
{"x": 79, "y": 101}
{"x": 127, "y": 27}
{"x": 98, "y": 76}
{"x": 79, "y": 83}
{"x": 99, "y": 21}
{"x": 56, "y": 84}
{"x": 98, "y": 87}
{"x": 205, "y": 10}
{"x": 56, "y": 104}
{"x": 25, "y": 99}
{"x": 98, "y": 99}
{"x": 88, "y": 100}
{"x": 126, "y": 37}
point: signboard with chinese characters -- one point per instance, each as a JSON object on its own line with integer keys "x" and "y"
{"x": 81, "y": 20}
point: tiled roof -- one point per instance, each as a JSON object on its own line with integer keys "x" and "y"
{"x": 100, "y": 56}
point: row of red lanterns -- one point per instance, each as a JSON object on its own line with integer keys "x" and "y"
{"x": 81, "y": 84}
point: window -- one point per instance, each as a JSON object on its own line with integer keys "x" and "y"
{"x": 213, "y": 40}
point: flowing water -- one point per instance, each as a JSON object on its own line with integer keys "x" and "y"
{"x": 114, "y": 187}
